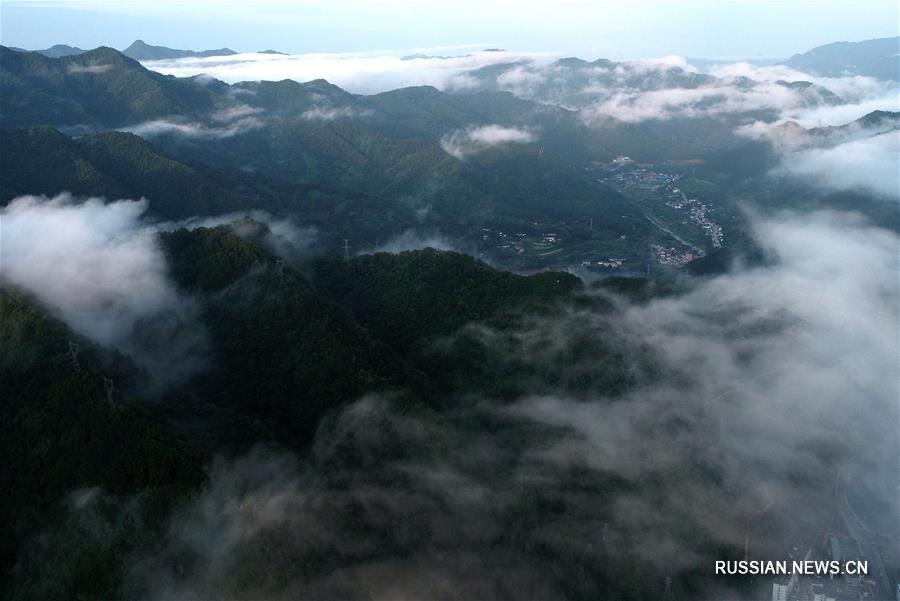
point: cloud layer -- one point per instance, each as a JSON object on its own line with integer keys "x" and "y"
{"x": 193, "y": 129}
{"x": 868, "y": 164}
{"x": 325, "y": 113}
{"x": 858, "y": 156}
{"x": 355, "y": 72}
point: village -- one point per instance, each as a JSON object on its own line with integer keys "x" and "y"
{"x": 698, "y": 215}
{"x": 640, "y": 181}
{"x": 687, "y": 229}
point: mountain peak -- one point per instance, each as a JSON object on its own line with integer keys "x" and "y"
{"x": 142, "y": 51}
{"x": 55, "y": 51}
{"x": 878, "y": 117}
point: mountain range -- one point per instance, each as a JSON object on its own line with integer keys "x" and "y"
{"x": 141, "y": 51}
{"x": 873, "y": 58}
{"x": 521, "y": 337}
{"x": 374, "y": 167}
{"x": 331, "y": 333}
{"x": 55, "y": 51}
{"x": 305, "y": 139}
{"x": 138, "y": 50}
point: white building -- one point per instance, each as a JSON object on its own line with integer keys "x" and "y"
{"x": 780, "y": 591}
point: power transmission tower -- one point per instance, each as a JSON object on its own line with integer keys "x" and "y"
{"x": 346, "y": 249}
{"x": 110, "y": 387}
{"x": 73, "y": 352}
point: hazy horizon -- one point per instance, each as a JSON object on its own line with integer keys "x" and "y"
{"x": 700, "y": 30}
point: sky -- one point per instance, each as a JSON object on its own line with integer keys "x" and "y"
{"x": 618, "y": 30}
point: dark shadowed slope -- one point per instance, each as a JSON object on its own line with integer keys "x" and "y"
{"x": 59, "y": 433}
{"x": 101, "y": 87}
{"x": 41, "y": 160}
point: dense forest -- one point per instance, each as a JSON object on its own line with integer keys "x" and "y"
{"x": 556, "y": 329}
{"x": 291, "y": 344}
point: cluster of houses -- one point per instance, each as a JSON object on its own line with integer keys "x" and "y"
{"x": 672, "y": 256}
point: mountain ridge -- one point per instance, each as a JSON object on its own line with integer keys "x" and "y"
{"x": 878, "y": 58}
{"x": 142, "y": 51}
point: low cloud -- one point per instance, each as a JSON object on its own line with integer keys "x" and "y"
{"x": 92, "y": 68}
{"x": 850, "y": 88}
{"x": 868, "y": 164}
{"x": 839, "y": 114}
{"x": 193, "y": 129}
{"x": 204, "y": 79}
{"x": 521, "y": 80}
{"x": 858, "y": 156}
{"x": 859, "y": 95}
{"x": 670, "y": 88}
{"x": 325, "y": 113}
{"x": 630, "y": 91}
{"x": 99, "y": 267}
{"x": 664, "y": 88}
{"x": 235, "y": 113}
{"x": 413, "y": 240}
{"x": 285, "y": 237}
{"x": 722, "y": 98}
{"x": 474, "y": 139}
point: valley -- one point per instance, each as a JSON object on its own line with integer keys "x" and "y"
{"x": 462, "y": 322}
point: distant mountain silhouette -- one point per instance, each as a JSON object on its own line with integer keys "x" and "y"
{"x": 876, "y": 58}
{"x": 141, "y": 51}
{"x": 55, "y": 51}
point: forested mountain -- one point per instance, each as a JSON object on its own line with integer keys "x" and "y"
{"x": 474, "y": 166}
{"x": 63, "y": 432}
{"x": 41, "y": 160}
{"x": 101, "y": 87}
{"x": 292, "y": 345}
{"x": 287, "y": 352}
{"x": 370, "y": 167}
{"x": 874, "y": 58}
{"x": 418, "y": 295}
